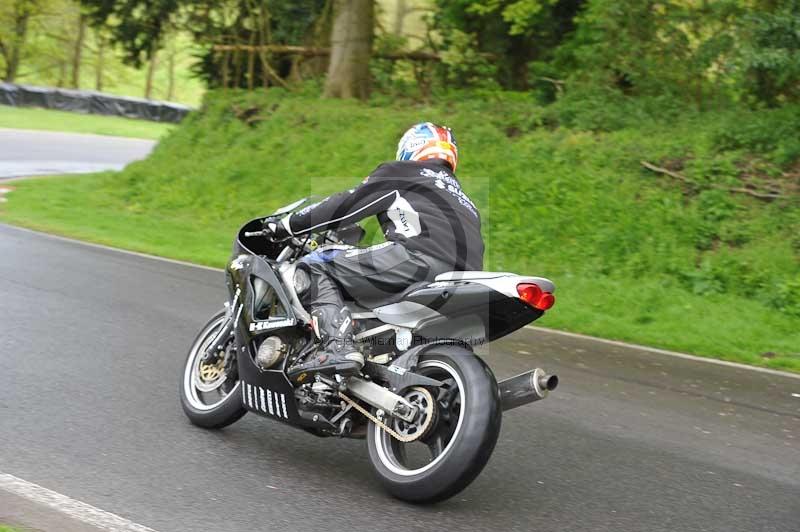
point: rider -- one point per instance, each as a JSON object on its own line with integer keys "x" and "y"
{"x": 430, "y": 225}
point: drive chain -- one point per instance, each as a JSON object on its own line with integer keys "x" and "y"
{"x": 381, "y": 424}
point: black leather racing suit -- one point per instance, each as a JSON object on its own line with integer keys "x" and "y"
{"x": 431, "y": 227}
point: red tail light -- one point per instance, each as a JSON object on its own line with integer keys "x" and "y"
{"x": 534, "y": 296}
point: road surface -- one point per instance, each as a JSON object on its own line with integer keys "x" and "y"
{"x": 93, "y": 342}
{"x": 25, "y": 152}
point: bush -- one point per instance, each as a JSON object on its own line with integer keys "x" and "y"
{"x": 770, "y": 133}
{"x": 596, "y": 108}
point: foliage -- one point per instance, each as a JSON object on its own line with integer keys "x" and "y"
{"x": 136, "y": 25}
{"x": 707, "y": 54}
{"x": 511, "y": 33}
{"x": 15, "y": 18}
{"x": 463, "y": 65}
{"x": 636, "y": 256}
{"x": 770, "y": 133}
{"x": 519, "y": 14}
{"x": 139, "y": 27}
{"x": 390, "y": 74}
{"x": 48, "y": 56}
{"x": 702, "y": 52}
{"x": 648, "y": 47}
{"x": 248, "y": 22}
{"x": 771, "y": 52}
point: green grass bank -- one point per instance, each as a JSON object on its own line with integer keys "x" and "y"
{"x": 636, "y": 255}
{"x": 47, "y": 119}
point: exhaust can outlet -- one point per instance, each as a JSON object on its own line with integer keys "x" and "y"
{"x": 526, "y": 388}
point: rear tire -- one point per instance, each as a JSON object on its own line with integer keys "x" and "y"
{"x": 471, "y": 438}
{"x": 217, "y": 404}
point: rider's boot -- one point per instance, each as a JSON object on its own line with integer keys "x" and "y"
{"x": 337, "y": 352}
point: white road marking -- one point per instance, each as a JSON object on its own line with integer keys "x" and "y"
{"x": 75, "y": 509}
{"x": 796, "y": 395}
{"x": 531, "y": 327}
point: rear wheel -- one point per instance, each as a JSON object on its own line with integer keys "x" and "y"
{"x": 210, "y": 394}
{"x": 453, "y": 436}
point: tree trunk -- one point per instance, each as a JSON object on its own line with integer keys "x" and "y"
{"x": 251, "y": 64}
{"x": 237, "y": 69}
{"x": 151, "y": 68}
{"x": 98, "y": 68}
{"x": 171, "y": 74}
{"x": 12, "y": 49}
{"x": 62, "y": 73}
{"x": 400, "y": 16}
{"x": 351, "y": 47}
{"x": 78, "y": 52}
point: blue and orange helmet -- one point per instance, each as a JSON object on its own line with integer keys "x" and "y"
{"x": 428, "y": 141}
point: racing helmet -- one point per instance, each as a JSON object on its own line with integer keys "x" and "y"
{"x": 427, "y": 140}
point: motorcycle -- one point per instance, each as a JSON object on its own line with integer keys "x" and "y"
{"x": 429, "y": 408}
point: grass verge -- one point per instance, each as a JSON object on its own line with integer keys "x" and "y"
{"x": 652, "y": 312}
{"x": 48, "y": 119}
{"x": 634, "y": 258}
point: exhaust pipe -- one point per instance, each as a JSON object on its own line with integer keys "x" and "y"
{"x": 526, "y": 388}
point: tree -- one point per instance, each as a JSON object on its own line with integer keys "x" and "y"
{"x": 13, "y": 33}
{"x": 78, "y": 52}
{"x": 770, "y": 55}
{"x": 514, "y": 32}
{"x": 151, "y": 70}
{"x": 136, "y": 25}
{"x": 100, "y": 60}
{"x": 351, "y": 48}
{"x": 171, "y": 53}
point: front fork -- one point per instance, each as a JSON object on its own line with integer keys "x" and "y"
{"x": 217, "y": 348}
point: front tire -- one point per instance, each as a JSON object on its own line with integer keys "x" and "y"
{"x": 210, "y": 397}
{"x": 462, "y": 440}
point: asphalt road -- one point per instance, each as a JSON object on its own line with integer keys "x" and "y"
{"x": 92, "y": 346}
{"x": 25, "y": 152}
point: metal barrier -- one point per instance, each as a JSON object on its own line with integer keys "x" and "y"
{"x": 91, "y": 102}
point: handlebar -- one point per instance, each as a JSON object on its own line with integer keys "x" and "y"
{"x": 295, "y": 242}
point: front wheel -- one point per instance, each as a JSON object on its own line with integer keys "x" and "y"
{"x": 454, "y": 435}
{"x": 210, "y": 393}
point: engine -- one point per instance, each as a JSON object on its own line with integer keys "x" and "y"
{"x": 270, "y": 352}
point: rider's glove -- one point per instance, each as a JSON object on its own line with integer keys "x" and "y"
{"x": 276, "y": 229}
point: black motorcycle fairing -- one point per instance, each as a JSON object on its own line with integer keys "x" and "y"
{"x": 499, "y": 314}
{"x": 254, "y": 287}
{"x": 265, "y": 305}
{"x": 351, "y": 235}
{"x": 256, "y": 245}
